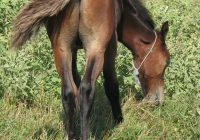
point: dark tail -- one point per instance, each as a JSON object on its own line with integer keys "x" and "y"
{"x": 32, "y": 16}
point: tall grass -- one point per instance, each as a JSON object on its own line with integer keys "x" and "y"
{"x": 30, "y": 100}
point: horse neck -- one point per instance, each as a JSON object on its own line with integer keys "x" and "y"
{"x": 132, "y": 28}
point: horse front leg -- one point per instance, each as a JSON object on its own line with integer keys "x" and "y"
{"x": 111, "y": 83}
{"x": 76, "y": 76}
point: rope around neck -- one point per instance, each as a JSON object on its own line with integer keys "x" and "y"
{"x": 136, "y": 70}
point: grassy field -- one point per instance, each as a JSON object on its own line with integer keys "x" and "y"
{"x": 30, "y": 100}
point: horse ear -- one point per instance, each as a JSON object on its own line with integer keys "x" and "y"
{"x": 165, "y": 29}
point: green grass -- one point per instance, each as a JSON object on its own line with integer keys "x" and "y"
{"x": 30, "y": 100}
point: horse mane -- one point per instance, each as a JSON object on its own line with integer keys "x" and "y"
{"x": 144, "y": 14}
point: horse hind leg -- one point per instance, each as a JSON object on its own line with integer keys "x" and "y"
{"x": 63, "y": 60}
{"x": 94, "y": 65}
{"x": 62, "y": 30}
{"x": 96, "y": 28}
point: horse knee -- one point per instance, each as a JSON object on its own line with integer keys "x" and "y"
{"x": 111, "y": 83}
{"x": 111, "y": 86}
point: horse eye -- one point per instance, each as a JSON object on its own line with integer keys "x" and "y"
{"x": 145, "y": 42}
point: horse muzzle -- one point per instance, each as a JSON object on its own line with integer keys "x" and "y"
{"x": 155, "y": 97}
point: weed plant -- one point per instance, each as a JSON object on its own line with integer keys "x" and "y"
{"x": 30, "y": 88}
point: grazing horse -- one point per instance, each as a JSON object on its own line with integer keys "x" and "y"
{"x": 96, "y": 26}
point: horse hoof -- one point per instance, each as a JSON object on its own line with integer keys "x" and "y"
{"x": 119, "y": 120}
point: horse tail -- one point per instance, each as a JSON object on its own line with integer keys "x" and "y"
{"x": 32, "y": 16}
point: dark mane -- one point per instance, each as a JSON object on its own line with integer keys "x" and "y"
{"x": 144, "y": 14}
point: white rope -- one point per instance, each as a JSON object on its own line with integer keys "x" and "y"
{"x": 136, "y": 70}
